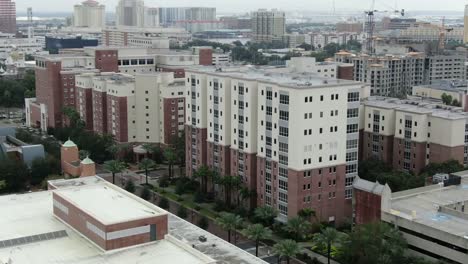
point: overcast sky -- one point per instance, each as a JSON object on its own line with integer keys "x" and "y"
{"x": 249, "y": 5}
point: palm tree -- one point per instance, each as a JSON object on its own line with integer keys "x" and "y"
{"x": 114, "y": 166}
{"x": 229, "y": 183}
{"x": 265, "y": 215}
{"x": 171, "y": 158}
{"x": 326, "y": 238}
{"x": 203, "y": 173}
{"x": 298, "y": 227}
{"x": 146, "y": 164}
{"x": 114, "y": 151}
{"x": 287, "y": 249}
{"x": 256, "y": 233}
{"x": 229, "y": 222}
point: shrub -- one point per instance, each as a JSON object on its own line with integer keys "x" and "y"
{"x": 164, "y": 182}
{"x": 164, "y": 203}
{"x": 146, "y": 194}
{"x": 182, "y": 212}
{"x": 197, "y": 208}
{"x": 180, "y": 188}
{"x": 219, "y": 206}
{"x": 180, "y": 199}
{"x": 203, "y": 223}
{"x": 199, "y": 197}
{"x": 130, "y": 186}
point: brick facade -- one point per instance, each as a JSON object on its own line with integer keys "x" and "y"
{"x": 367, "y": 207}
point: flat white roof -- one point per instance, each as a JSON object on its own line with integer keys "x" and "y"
{"x": 32, "y": 213}
{"x": 108, "y": 204}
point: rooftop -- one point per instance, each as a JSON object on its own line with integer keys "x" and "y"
{"x": 269, "y": 75}
{"x": 108, "y": 205}
{"x": 417, "y": 106}
{"x": 422, "y": 205}
{"x": 181, "y": 246}
{"x": 449, "y": 85}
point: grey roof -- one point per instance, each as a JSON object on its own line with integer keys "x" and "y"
{"x": 368, "y": 186}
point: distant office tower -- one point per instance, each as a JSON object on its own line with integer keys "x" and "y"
{"x": 130, "y": 13}
{"x": 465, "y": 38}
{"x": 268, "y": 26}
{"x": 151, "y": 17}
{"x": 89, "y": 14}
{"x": 30, "y": 15}
{"x": 173, "y": 15}
{"x": 7, "y": 16}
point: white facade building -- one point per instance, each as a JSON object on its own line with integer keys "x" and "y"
{"x": 130, "y": 13}
{"x": 89, "y": 14}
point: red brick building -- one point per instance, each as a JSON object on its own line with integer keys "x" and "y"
{"x": 367, "y": 200}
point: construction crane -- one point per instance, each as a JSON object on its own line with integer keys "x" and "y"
{"x": 370, "y": 25}
{"x": 443, "y": 35}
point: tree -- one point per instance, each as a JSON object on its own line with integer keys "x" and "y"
{"x": 155, "y": 151}
{"x": 446, "y": 99}
{"x": 307, "y": 214}
{"x": 265, "y": 215}
{"x": 114, "y": 166}
{"x": 298, "y": 227}
{"x": 229, "y": 183}
{"x": 257, "y": 232}
{"x": 171, "y": 158}
{"x": 15, "y": 174}
{"x": 287, "y": 249}
{"x": 130, "y": 186}
{"x": 146, "y": 193}
{"x": 83, "y": 154}
{"x": 374, "y": 243}
{"x": 164, "y": 203}
{"x": 326, "y": 238}
{"x": 203, "y": 173}
{"x": 229, "y": 222}
{"x": 182, "y": 212}
{"x": 203, "y": 223}
{"x": 39, "y": 170}
{"x": 146, "y": 164}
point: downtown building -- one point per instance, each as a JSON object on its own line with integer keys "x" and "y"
{"x": 292, "y": 138}
{"x": 7, "y": 16}
{"x": 268, "y": 26}
{"x": 89, "y": 14}
{"x": 410, "y": 134}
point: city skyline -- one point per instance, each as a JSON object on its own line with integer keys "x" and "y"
{"x": 246, "y": 6}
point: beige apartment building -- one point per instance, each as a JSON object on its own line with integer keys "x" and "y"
{"x": 410, "y": 134}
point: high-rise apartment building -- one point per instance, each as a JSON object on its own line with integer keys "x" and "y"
{"x": 410, "y": 134}
{"x": 151, "y": 17}
{"x": 130, "y": 13}
{"x": 89, "y": 14}
{"x": 142, "y": 108}
{"x": 268, "y": 26}
{"x": 290, "y": 137}
{"x": 172, "y": 15}
{"x": 391, "y": 75}
{"x": 7, "y": 16}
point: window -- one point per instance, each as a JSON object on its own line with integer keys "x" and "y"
{"x": 283, "y": 185}
{"x": 269, "y": 110}
{"x": 353, "y": 128}
{"x": 284, "y": 99}
{"x": 284, "y": 115}
{"x": 283, "y": 147}
{"x": 268, "y": 188}
{"x": 352, "y": 144}
{"x": 352, "y": 156}
{"x": 269, "y": 95}
{"x": 352, "y": 113}
{"x": 353, "y": 97}
{"x": 268, "y": 126}
{"x": 283, "y": 160}
{"x": 284, "y": 131}
{"x": 352, "y": 168}
{"x": 282, "y": 172}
